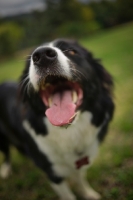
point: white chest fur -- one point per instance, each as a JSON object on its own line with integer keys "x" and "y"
{"x": 64, "y": 146}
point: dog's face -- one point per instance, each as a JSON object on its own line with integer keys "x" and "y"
{"x": 63, "y": 78}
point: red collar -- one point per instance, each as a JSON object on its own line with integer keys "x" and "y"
{"x": 81, "y": 162}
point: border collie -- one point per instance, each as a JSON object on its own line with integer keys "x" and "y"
{"x": 58, "y": 114}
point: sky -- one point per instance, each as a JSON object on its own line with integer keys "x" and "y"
{"x": 14, "y": 7}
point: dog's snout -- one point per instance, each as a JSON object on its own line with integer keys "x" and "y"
{"x": 43, "y": 55}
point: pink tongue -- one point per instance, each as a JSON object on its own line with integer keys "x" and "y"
{"x": 62, "y": 110}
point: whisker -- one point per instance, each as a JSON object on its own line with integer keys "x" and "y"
{"x": 27, "y": 88}
{"x": 78, "y": 76}
{"x": 78, "y": 73}
{"x": 23, "y": 60}
{"x": 27, "y": 56}
{"x": 24, "y": 81}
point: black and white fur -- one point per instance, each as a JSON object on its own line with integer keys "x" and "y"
{"x": 54, "y": 149}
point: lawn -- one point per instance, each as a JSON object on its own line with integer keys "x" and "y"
{"x": 112, "y": 172}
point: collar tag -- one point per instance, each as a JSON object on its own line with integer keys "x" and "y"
{"x": 81, "y": 162}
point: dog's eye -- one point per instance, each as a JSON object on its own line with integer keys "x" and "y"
{"x": 72, "y": 52}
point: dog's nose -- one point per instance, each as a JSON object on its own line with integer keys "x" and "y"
{"x": 45, "y": 54}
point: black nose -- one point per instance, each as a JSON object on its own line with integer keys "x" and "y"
{"x": 44, "y": 54}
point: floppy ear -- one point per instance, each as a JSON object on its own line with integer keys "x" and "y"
{"x": 103, "y": 75}
{"x": 104, "y": 106}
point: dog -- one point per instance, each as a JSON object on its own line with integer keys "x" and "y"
{"x": 58, "y": 114}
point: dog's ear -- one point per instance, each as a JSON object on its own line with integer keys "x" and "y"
{"x": 103, "y": 75}
{"x": 105, "y": 83}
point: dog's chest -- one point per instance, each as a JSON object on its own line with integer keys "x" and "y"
{"x": 65, "y": 146}
{"x": 73, "y": 140}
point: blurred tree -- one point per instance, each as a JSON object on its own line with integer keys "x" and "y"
{"x": 105, "y": 12}
{"x": 87, "y": 14}
{"x": 124, "y": 10}
{"x": 10, "y": 36}
{"x": 77, "y": 29}
{"x": 62, "y": 18}
{"x": 68, "y": 18}
{"x": 61, "y": 11}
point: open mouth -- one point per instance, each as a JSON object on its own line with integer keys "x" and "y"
{"x": 62, "y": 99}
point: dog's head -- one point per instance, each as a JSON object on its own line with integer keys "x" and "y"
{"x": 62, "y": 78}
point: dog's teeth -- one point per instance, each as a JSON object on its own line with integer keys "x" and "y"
{"x": 50, "y": 101}
{"x": 74, "y": 97}
{"x": 45, "y": 86}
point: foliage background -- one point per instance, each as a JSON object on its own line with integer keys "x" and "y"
{"x": 62, "y": 18}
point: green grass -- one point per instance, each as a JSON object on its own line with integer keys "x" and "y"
{"x": 11, "y": 69}
{"x": 112, "y": 172}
